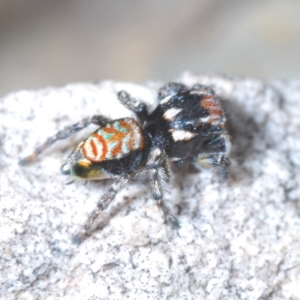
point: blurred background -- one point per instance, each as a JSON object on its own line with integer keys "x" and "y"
{"x": 56, "y": 42}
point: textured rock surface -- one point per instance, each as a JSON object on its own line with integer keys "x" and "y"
{"x": 238, "y": 240}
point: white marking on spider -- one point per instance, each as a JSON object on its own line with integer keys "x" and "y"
{"x": 156, "y": 152}
{"x": 182, "y": 135}
{"x": 171, "y": 113}
{"x": 198, "y": 92}
{"x": 165, "y": 100}
{"x": 204, "y": 120}
{"x": 213, "y": 119}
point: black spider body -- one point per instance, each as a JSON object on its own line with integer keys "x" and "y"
{"x": 187, "y": 126}
{"x": 189, "y": 122}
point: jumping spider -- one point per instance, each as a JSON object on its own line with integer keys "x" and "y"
{"x": 187, "y": 127}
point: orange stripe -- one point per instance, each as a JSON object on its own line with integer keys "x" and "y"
{"x": 133, "y": 127}
{"x": 132, "y": 137}
{"x": 90, "y": 146}
{"x": 119, "y": 137}
{"x": 104, "y": 145}
{"x": 94, "y": 147}
{"x": 130, "y": 134}
{"x": 212, "y": 106}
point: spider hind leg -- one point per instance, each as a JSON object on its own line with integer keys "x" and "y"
{"x": 63, "y": 134}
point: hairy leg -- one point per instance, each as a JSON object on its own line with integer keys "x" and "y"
{"x": 215, "y": 156}
{"x": 136, "y": 106}
{"x": 63, "y": 134}
{"x": 103, "y": 203}
{"x": 153, "y": 165}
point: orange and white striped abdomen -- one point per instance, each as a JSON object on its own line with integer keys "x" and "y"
{"x": 113, "y": 141}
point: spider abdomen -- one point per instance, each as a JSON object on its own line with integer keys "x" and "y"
{"x": 115, "y": 148}
{"x": 113, "y": 141}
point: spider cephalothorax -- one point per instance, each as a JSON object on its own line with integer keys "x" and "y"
{"x": 187, "y": 127}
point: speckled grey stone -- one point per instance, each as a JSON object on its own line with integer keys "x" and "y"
{"x": 238, "y": 240}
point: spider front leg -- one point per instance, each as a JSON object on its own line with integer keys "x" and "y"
{"x": 215, "y": 161}
{"x": 170, "y": 89}
{"x": 153, "y": 165}
{"x": 136, "y": 106}
{"x": 216, "y": 158}
{"x": 63, "y": 134}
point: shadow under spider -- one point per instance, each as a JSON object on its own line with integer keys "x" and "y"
{"x": 243, "y": 131}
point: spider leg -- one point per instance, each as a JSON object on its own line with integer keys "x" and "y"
{"x": 63, "y": 134}
{"x": 136, "y": 106}
{"x": 217, "y": 158}
{"x": 153, "y": 165}
{"x": 102, "y": 204}
{"x": 170, "y": 89}
{"x": 216, "y": 161}
{"x": 202, "y": 87}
